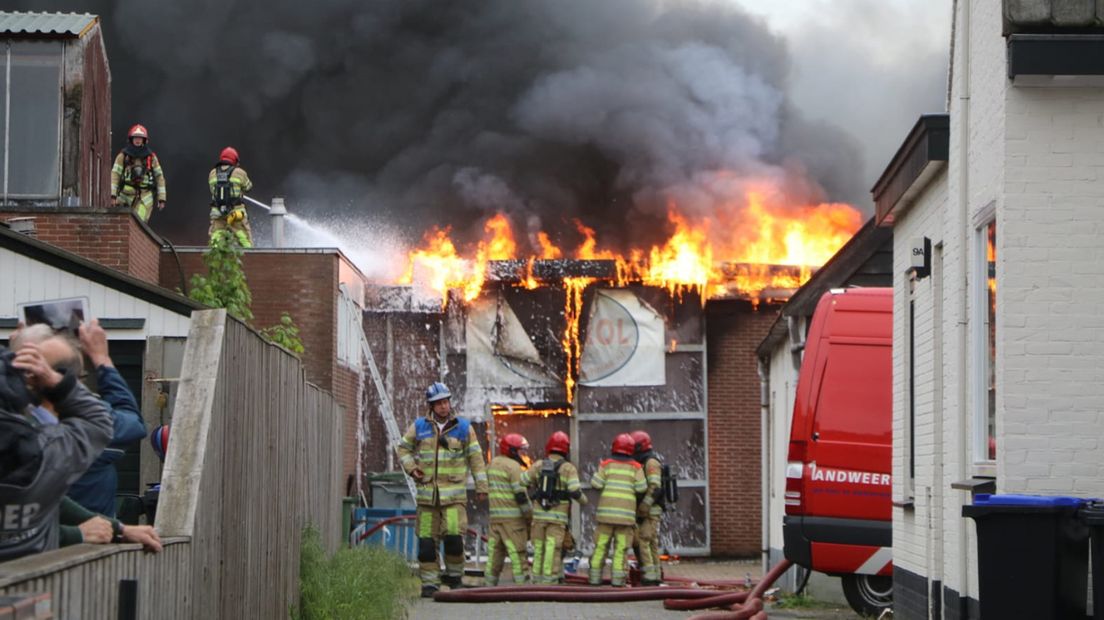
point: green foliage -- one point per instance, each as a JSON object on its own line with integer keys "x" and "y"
{"x": 802, "y": 601}
{"x": 285, "y": 333}
{"x": 359, "y": 582}
{"x": 224, "y": 286}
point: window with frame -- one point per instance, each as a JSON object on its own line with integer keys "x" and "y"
{"x": 985, "y": 343}
{"x": 31, "y": 119}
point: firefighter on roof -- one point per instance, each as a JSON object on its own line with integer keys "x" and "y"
{"x": 439, "y": 451}
{"x": 621, "y": 480}
{"x": 510, "y": 510}
{"x": 650, "y": 510}
{"x": 136, "y": 175}
{"x": 554, "y": 482}
{"x": 229, "y": 183}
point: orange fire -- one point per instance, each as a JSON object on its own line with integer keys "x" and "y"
{"x": 573, "y": 310}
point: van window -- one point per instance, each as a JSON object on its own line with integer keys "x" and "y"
{"x": 855, "y": 394}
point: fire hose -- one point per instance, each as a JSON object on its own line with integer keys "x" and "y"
{"x": 752, "y": 607}
{"x": 523, "y": 594}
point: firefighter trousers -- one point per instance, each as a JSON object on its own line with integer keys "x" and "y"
{"x": 507, "y": 538}
{"x": 445, "y": 525}
{"x": 238, "y": 225}
{"x": 621, "y": 536}
{"x": 548, "y": 542}
{"x": 647, "y": 548}
{"x": 139, "y": 200}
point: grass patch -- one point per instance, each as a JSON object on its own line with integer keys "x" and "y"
{"x": 801, "y": 601}
{"x": 360, "y": 582}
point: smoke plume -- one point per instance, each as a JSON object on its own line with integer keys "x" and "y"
{"x": 419, "y": 112}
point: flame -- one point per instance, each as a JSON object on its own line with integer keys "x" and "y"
{"x": 548, "y": 250}
{"x": 573, "y": 310}
{"x": 684, "y": 263}
{"x": 586, "y": 249}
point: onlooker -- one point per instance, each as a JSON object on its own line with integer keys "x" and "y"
{"x": 38, "y": 463}
{"x": 96, "y": 489}
{"x": 79, "y": 525}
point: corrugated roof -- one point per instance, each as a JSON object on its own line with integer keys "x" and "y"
{"x": 73, "y": 24}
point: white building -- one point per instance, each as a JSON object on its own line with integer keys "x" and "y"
{"x": 999, "y": 339}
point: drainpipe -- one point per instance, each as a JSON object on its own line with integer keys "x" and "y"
{"x": 277, "y": 212}
{"x": 965, "y": 416}
{"x": 764, "y": 460}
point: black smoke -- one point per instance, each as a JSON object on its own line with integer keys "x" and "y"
{"x": 419, "y": 112}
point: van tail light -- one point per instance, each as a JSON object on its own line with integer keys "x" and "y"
{"x": 795, "y": 479}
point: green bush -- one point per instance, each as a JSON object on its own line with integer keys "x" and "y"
{"x": 360, "y": 582}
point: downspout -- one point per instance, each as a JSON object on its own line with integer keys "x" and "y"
{"x": 963, "y": 278}
{"x": 764, "y": 460}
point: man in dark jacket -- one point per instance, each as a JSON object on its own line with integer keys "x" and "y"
{"x": 38, "y": 463}
{"x": 95, "y": 490}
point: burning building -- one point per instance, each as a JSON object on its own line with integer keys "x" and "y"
{"x": 660, "y": 339}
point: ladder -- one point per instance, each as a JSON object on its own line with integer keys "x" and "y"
{"x": 387, "y": 412}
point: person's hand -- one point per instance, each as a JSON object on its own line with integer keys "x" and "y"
{"x": 93, "y": 341}
{"x": 38, "y": 372}
{"x": 417, "y": 474}
{"x": 160, "y": 205}
{"x": 144, "y": 534}
{"x": 481, "y": 497}
{"x": 96, "y": 531}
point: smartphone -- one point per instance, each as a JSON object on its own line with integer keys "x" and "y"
{"x": 62, "y": 315}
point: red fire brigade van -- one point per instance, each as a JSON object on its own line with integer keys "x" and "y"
{"x": 838, "y": 506}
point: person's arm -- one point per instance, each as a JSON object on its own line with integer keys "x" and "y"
{"x": 116, "y": 175}
{"x": 571, "y": 481}
{"x": 476, "y": 464}
{"x": 159, "y": 176}
{"x": 405, "y": 450}
{"x": 520, "y": 496}
{"x": 599, "y": 479}
{"x": 653, "y": 476}
{"x": 128, "y": 424}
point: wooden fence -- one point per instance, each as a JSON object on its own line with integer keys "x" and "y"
{"x": 254, "y": 457}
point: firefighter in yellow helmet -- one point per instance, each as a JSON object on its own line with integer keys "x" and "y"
{"x": 621, "y": 480}
{"x": 438, "y": 451}
{"x": 136, "y": 176}
{"x": 228, "y": 183}
{"x": 509, "y": 509}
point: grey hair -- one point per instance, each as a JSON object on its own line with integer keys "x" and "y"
{"x": 39, "y": 333}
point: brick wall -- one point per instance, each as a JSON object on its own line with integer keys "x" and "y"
{"x": 345, "y": 384}
{"x": 734, "y": 332}
{"x": 111, "y": 237}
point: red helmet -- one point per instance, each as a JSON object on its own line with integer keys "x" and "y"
{"x": 229, "y": 155}
{"x": 643, "y": 441}
{"x": 623, "y": 444}
{"x": 559, "y": 442}
{"x": 138, "y": 131}
{"x": 512, "y": 444}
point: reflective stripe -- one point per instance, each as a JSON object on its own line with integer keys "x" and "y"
{"x": 549, "y": 559}
{"x": 515, "y": 560}
{"x": 452, "y": 521}
{"x": 425, "y": 525}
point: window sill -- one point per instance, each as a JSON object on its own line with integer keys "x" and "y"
{"x": 976, "y": 485}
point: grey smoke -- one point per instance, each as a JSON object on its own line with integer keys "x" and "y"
{"x": 420, "y": 112}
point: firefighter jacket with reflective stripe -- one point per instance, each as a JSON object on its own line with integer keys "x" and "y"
{"x": 653, "y": 475}
{"x": 504, "y": 476}
{"x": 620, "y": 482}
{"x": 124, "y": 182}
{"x": 567, "y": 482}
{"x": 239, "y": 183}
{"x": 445, "y": 457}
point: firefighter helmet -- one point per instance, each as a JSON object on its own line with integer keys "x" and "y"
{"x": 559, "y": 443}
{"x": 512, "y": 444}
{"x": 138, "y": 131}
{"x": 643, "y": 441}
{"x": 159, "y": 439}
{"x": 229, "y": 155}
{"x": 437, "y": 391}
{"x": 624, "y": 445}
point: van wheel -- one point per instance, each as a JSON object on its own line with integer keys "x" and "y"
{"x": 868, "y": 594}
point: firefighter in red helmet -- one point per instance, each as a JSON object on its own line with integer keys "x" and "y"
{"x": 553, "y": 483}
{"x": 137, "y": 180}
{"x": 620, "y": 479}
{"x": 510, "y": 510}
{"x": 650, "y": 510}
{"x": 229, "y": 182}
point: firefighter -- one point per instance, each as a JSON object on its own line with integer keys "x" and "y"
{"x": 650, "y": 509}
{"x": 228, "y": 184}
{"x": 510, "y": 510}
{"x": 136, "y": 173}
{"x": 554, "y": 482}
{"x": 439, "y": 451}
{"x": 620, "y": 479}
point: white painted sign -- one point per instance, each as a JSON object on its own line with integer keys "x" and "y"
{"x": 624, "y": 345}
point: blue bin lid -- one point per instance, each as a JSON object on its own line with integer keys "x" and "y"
{"x": 1040, "y": 501}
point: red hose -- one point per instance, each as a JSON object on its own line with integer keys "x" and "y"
{"x": 752, "y": 608}
{"x": 699, "y": 592}
{"x": 717, "y": 583}
{"x": 717, "y": 600}
{"x": 523, "y": 595}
